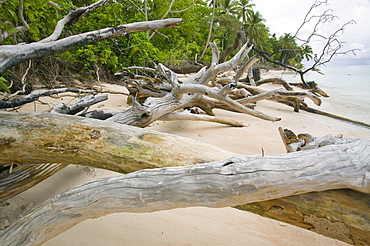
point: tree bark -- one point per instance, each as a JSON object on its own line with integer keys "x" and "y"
{"x": 341, "y": 214}
{"x": 54, "y": 138}
{"x": 232, "y": 181}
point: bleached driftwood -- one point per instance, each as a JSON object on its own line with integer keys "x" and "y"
{"x": 165, "y": 94}
{"x": 27, "y": 139}
{"x": 55, "y": 138}
{"x": 154, "y": 108}
{"x": 305, "y": 141}
{"x": 36, "y": 94}
{"x": 341, "y": 214}
{"x": 186, "y": 115}
{"x": 73, "y": 16}
{"x": 82, "y": 103}
{"x": 232, "y": 181}
{"x": 15, "y": 179}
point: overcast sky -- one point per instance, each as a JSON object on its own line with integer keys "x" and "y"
{"x": 285, "y": 16}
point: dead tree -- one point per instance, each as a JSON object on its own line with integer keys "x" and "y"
{"x": 332, "y": 45}
{"x": 232, "y": 181}
{"x": 163, "y": 94}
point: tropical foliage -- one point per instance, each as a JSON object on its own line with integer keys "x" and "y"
{"x": 182, "y": 43}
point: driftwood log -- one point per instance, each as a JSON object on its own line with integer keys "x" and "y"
{"x": 54, "y": 138}
{"x": 342, "y": 214}
{"x": 162, "y": 93}
{"x": 15, "y": 179}
{"x": 232, "y": 181}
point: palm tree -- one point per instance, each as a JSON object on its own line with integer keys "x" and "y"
{"x": 227, "y": 7}
{"x": 244, "y": 6}
{"x": 255, "y": 30}
{"x": 306, "y": 52}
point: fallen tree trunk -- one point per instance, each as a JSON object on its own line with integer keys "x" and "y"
{"x": 341, "y": 214}
{"x": 233, "y": 181}
{"x": 51, "y": 138}
{"x": 54, "y": 138}
{"x": 320, "y": 112}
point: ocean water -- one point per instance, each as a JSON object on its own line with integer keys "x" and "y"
{"x": 348, "y": 88}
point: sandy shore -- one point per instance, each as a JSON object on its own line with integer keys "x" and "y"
{"x": 199, "y": 226}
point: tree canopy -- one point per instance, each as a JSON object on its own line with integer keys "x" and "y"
{"x": 31, "y": 21}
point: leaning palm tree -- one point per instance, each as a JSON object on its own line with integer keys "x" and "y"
{"x": 210, "y": 28}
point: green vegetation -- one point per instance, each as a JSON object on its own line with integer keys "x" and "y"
{"x": 185, "y": 42}
{"x": 3, "y": 85}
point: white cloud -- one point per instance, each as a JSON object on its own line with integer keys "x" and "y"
{"x": 361, "y": 50}
{"x": 357, "y": 46}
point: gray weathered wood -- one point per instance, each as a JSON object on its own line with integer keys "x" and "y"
{"x": 233, "y": 181}
{"x": 54, "y": 138}
{"x": 36, "y": 94}
{"x": 19, "y": 178}
{"x": 204, "y": 90}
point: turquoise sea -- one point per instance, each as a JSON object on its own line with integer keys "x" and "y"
{"x": 348, "y": 88}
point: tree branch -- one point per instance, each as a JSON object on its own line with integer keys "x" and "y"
{"x": 82, "y": 103}
{"x": 185, "y": 115}
{"x": 24, "y": 27}
{"x": 11, "y": 55}
{"x": 23, "y": 177}
{"x": 74, "y": 15}
{"x": 220, "y": 95}
{"x": 35, "y": 95}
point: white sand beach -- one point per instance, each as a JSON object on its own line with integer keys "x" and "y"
{"x": 197, "y": 225}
